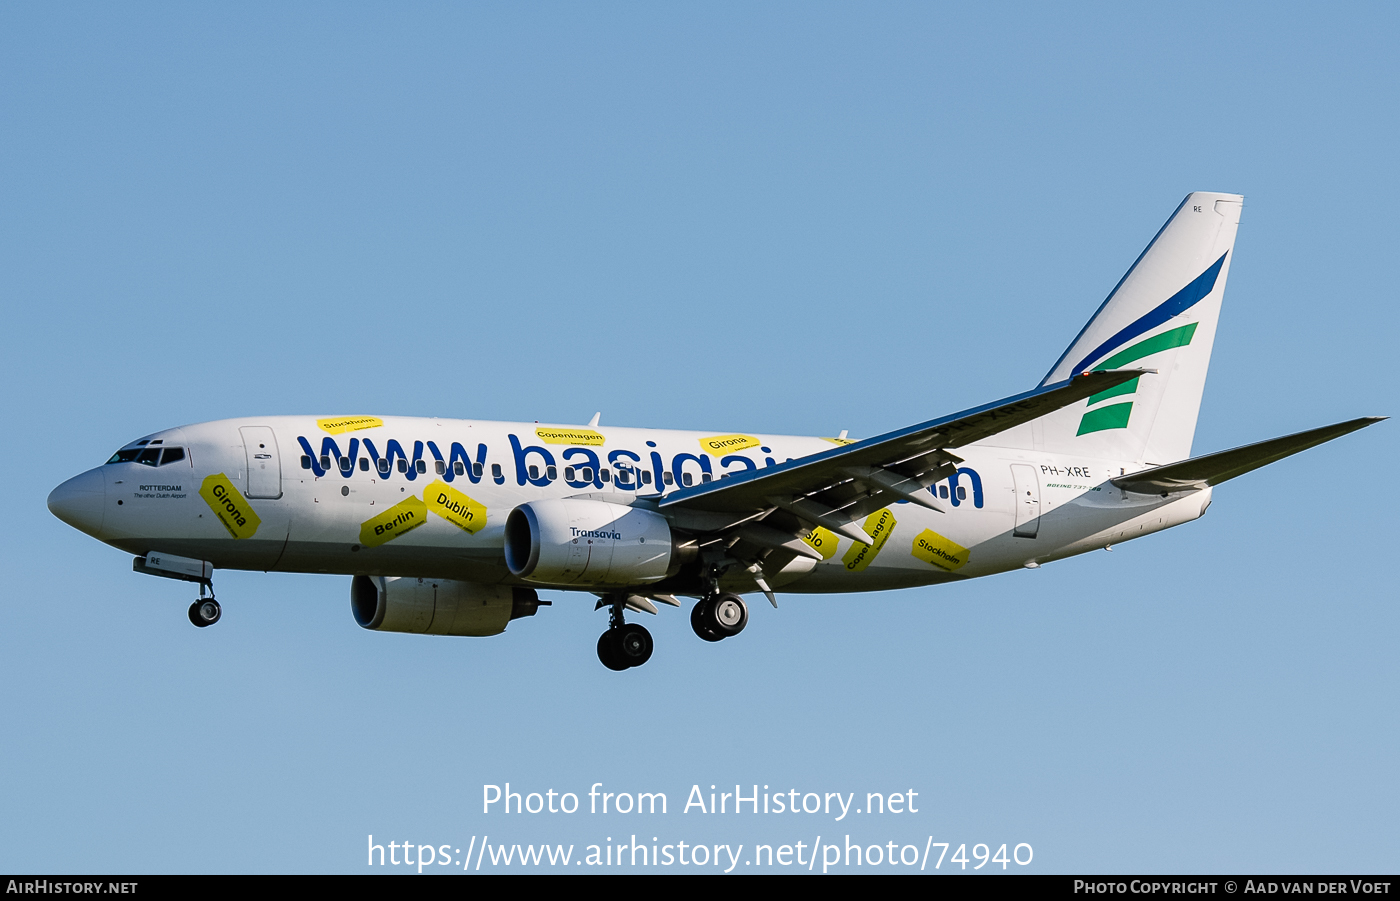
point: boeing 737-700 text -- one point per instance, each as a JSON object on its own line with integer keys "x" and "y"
{"x": 449, "y": 527}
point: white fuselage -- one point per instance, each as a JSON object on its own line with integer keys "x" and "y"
{"x": 1006, "y": 508}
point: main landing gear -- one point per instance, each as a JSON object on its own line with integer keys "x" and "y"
{"x": 205, "y": 611}
{"x": 625, "y": 644}
{"x": 719, "y": 616}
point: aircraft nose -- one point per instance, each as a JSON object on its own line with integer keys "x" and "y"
{"x": 80, "y": 501}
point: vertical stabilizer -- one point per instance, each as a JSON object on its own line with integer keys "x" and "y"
{"x": 1162, "y": 317}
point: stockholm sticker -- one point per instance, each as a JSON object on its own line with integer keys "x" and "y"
{"x": 405, "y": 516}
{"x": 877, "y": 525}
{"x": 232, "y": 508}
{"x": 931, "y": 547}
{"x": 349, "y": 424}
{"x": 822, "y": 541}
{"x": 584, "y": 437}
{"x": 719, "y": 445}
{"x": 455, "y": 507}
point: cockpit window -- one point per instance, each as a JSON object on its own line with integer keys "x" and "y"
{"x": 149, "y": 456}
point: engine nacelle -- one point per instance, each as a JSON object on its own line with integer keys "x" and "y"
{"x": 587, "y": 542}
{"x": 438, "y": 606}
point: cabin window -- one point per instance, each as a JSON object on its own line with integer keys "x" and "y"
{"x": 305, "y": 461}
{"x": 646, "y": 477}
{"x": 476, "y": 468}
{"x": 587, "y": 473}
{"x": 496, "y": 472}
{"x": 172, "y": 455}
{"x": 943, "y": 491}
{"x": 962, "y": 493}
{"x": 624, "y": 477}
{"x": 685, "y": 479}
{"x": 606, "y": 474}
{"x": 421, "y": 466}
{"x": 346, "y": 465}
{"x": 364, "y": 464}
{"x": 569, "y": 473}
{"x": 534, "y": 471}
{"x": 325, "y": 461}
{"x": 668, "y": 478}
{"x": 383, "y": 465}
{"x": 551, "y": 473}
{"x": 441, "y": 467}
{"x": 403, "y": 465}
{"x": 459, "y": 469}
{"x": 705, "y": 476}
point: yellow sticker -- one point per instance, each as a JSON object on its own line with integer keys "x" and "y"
{"x": 932, "y": 547}
{"x": 455, "y": 507}
{"x": 821, "y": 541}
{"x": 719, "y": 445}
{"x": 841, "y": 441}
{"x": 349, "y": 424}
{"x": 585, "y": 437}
{"x": 405, "y": 516}
{"x": 232, "y": 508}
{"x": 878, "y": 525}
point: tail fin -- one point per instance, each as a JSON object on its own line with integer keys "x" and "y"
{"x": 1161, "y": 317}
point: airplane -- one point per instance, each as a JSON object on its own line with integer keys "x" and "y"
{"x": 451, "y": 527}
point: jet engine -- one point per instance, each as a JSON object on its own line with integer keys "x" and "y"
{"x": 587, "y": 542}
{"x": 438, "y": 606}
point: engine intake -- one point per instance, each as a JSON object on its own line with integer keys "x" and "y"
{"x": 574, "y": 541}
{"x": 438, "y": 606}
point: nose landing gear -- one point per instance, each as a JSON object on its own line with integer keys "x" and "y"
{"x": 205, "y": 611}
{"x": 625, "y": 644}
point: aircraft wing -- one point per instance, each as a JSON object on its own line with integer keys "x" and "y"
{"x": 1212, "y": 469}
{"x": 836, "y": 488}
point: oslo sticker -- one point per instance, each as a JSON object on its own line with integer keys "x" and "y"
{"x": 232, "y": 508}
{"x": 718, "y": 445}
{"x": 455, "y": 507}
{"x": 932, "y": 547}
{"x": 821, "y": 541}
{"x": 349, "y": 424}
{"x": 405, "y": 516}
{"x": 878, "y": 525}
{"x": 585, "y": 437}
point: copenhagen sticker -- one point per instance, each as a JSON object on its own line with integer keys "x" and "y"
{"x": 585, "y": 437}
{"x": 719, "y": 445}
{"x": 405, "y": 516}
{"x": 931, "y": 547}
{"x": 232, "y": 508}
{"x": 821, "y": 541}
{"x": 349, "y": 424}
{"x": 878, "y": 525}
{"x": 455, "y": 507}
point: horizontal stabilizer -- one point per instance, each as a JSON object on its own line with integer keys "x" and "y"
{"x": 1212, "y": 469}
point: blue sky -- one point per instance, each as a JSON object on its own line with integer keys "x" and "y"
{"x": 792, "y": 218}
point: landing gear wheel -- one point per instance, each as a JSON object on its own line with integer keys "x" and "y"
{"x": 633, "y": 644}
{"x": 701, "y": 620}
{"x": 205, "y": 612}
{"x": 730, "y": 614}
{"x": 609, "y": 652}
